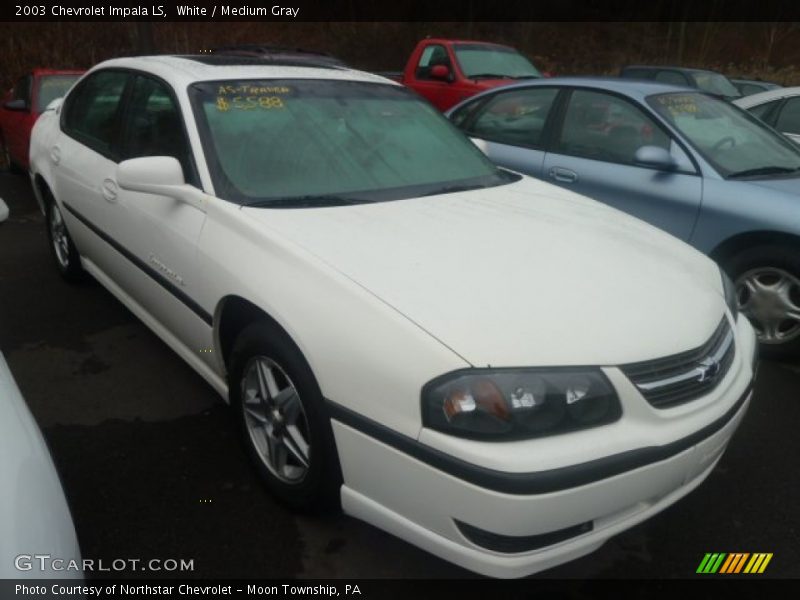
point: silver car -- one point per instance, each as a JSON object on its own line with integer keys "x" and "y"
{"x": 691, "y": 164}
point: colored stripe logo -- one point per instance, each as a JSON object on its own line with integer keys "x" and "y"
{"x": 734, "y": 563}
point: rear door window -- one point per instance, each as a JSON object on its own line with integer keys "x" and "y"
{"x": 516, "y": 117}
{"x": 91, "y": 112}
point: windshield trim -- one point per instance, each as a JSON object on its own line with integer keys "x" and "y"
{"x": 721, "y": 171}
{"x": 496, "y": 177}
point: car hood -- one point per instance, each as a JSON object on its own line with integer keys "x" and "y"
{"x": 520, "y": 274}
{"x": 790, "y": 185}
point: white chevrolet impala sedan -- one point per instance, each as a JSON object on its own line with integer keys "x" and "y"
{"x": 495, "y": 369}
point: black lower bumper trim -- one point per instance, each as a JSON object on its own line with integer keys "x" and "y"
{"x": 540, "y": 482}
{"x": 511, "y": 544}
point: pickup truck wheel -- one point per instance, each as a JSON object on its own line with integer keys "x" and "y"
{"x": 767, "y": 280}
{"x": 62, "y": 248}
{"x": 284, "y": 423}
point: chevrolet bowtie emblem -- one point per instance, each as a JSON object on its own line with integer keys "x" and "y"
{"x": 707, "y": 369}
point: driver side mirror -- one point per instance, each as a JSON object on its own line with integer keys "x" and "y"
{"x": 440, "y": 72}
{"x": 654, "y": 157}
{"x": 18, "y": 105}
{"x": 160, "y": 176}
{"x": 3, "y": 211}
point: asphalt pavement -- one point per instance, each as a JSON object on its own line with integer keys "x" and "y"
{"x": 153, "y": 468}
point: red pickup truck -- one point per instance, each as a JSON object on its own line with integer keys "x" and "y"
{"x": 447, "y": 71}
{"x": 23, "y": 104}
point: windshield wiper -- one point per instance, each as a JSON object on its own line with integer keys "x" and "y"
{"x": 450, "y": 189}
{"x": 310, "y": 201}
{"x": 772, "y": 170}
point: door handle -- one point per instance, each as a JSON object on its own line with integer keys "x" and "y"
{"x": 109, "y": 190}
{"x": 563, "y": 175}
{"x": 55, "y": 154}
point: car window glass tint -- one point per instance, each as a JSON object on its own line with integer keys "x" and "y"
{"x": 671, "y": 78}
{"x": 91, "y": 111}
{"x": 764, "y": 111}
{"x": 154, "y": 126}
{"x": 789, "y": 119}
{"x": 605, "y": 127}
{"x": 459, "y": 116}
{"x": 515, "y": 117}
{"x": 431, "y": 56}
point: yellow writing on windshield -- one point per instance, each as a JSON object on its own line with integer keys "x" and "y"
{"x": 251, "y": 90}
{"x": 225, "y": 104}
{"x": 679, "y": 104}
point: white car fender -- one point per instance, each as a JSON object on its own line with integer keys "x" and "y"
{"x": 325, "y": 314}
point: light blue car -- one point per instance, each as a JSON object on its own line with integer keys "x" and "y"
{"x": 693, "y": 165}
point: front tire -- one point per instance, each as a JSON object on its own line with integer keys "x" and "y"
{"x": 283, "y": 420}
{"x": 767, "y": 280}
{"x": 62, "y": 248}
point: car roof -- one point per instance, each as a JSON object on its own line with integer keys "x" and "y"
{"x": 457, "y": 41}
{"x": 768, "y": 96}
{"x": 42, "y": 71}
{"x": 756, "y": 81}
{"x": 671, "y": 68}
{"x": 181, "y": 71}
{"x": 635, "y": 88}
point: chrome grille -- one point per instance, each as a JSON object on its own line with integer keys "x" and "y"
{"x": 673, "y": 380}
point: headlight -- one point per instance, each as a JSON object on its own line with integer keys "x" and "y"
{"x": 730, "y": 294}
{"x": 509, "y": 404}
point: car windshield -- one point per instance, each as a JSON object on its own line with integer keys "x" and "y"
{"x": 734, "y": 142}
{"x": 299, "y": 143}
{"x": 481, "y": 60}
{"x": 52, "y": 87}
{"x": 717, "y": 84}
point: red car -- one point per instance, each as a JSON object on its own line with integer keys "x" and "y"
{"x": 23, "y": 104}
{"x": 447, "y": 71}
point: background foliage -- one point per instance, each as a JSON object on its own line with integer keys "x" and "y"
{"x": 767, "y": 50}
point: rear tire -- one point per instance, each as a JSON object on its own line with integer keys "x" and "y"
{"x": 62, "y": 248}
{"x": 283, "y": 419}
{"x": 767, "y": 280}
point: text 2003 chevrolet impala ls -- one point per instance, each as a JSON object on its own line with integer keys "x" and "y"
{"x": 500, "y": 371}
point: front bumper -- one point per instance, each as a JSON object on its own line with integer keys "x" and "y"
{"x": 512, "y": 524}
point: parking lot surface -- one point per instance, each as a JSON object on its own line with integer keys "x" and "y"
{"x": 153, "y": 468}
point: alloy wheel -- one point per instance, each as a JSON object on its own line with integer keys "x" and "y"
{"x": 276, "y": 420}
{"x": 770, "y": 298}
{"x": 59, "y": 236}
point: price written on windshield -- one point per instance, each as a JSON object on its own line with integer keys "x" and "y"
{"x": 226, "y": 103}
